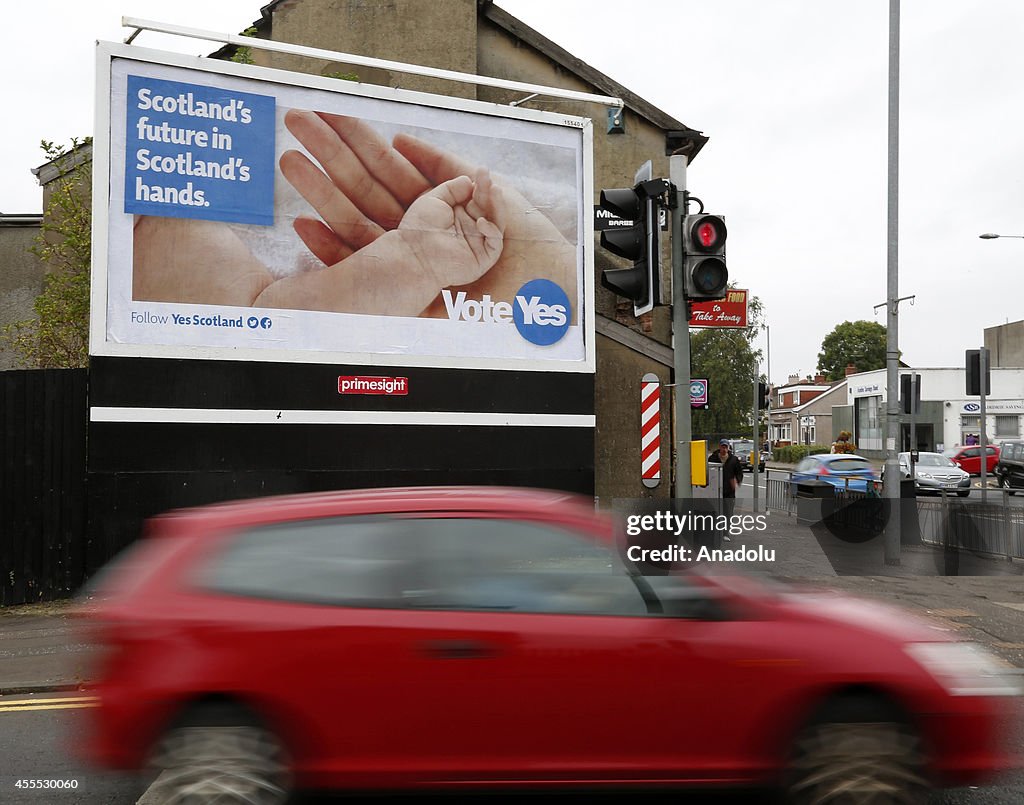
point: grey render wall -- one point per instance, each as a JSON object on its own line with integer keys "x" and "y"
{"x": 21, "y": 275}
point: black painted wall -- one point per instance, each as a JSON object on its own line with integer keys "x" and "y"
{"x": 137, "y": 469}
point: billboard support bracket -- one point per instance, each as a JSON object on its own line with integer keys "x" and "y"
{"x": 365, "y": 61}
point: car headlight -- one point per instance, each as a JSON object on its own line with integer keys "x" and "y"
{"x": 965, "y": 669}
{"x": 927, "y": 475}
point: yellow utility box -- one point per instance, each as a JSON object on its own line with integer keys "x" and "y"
{"x": 699, "y": 463}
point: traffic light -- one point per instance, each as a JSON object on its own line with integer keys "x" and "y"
{"x": 639, "y": 242}
{"x": 763, "y": 396}
{"x": 974, "y": 373}
{"x": 705, "y": 276}
{"x": 910, "y": 393}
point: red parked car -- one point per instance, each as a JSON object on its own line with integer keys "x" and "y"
{"x": 495, "y": 638}
{"x": 969, "y": 458}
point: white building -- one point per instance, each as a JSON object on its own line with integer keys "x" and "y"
{"x": 948, "y": 416}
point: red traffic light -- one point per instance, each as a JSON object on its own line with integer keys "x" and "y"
{"x": 708, "y": 233}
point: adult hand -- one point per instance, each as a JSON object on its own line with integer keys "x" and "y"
{"x": 362, "y": 191}
{"x": 367, "y": 185}
{"x": 448, "y": 236}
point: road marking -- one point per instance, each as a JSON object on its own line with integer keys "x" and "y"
{"x": 48, "y": 707}
{"x": 67, "y": 703}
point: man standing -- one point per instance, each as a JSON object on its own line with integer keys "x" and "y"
{"x": 732, "y": 477}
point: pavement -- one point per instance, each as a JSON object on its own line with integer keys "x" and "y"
{"x": 42, "y": 648}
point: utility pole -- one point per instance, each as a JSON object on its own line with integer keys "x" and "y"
{"x": 891, "y": 489}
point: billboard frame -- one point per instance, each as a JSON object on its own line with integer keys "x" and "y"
{"x": 99, "y": 345}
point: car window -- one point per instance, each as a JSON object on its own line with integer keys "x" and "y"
{"x": 934, "y": 460}
{"x": 509, "y": 565}
{"x": 849, "y": 464}
{"x": 806, "y": 464}
{"x": 426, "y": 563}
{"x": 362, "y": 562}
{"x": 971, "y": 452}
{"x": 989, "y": 450}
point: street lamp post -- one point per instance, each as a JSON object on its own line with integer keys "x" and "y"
{"x": 992, "y": 236}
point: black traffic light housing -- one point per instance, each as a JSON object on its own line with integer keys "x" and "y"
{"x": 639, "y": 242}
{"x": 974, "y": 373}
{"x": 705, "y": 275}
{"x": 910, "y": 394}
{"x": 763, "y": 396}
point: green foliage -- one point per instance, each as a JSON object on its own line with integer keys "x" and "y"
{"x": 343, "y": 76}
{"x": 58, "y": 335}
{"x": 861, "y": 343}
{"x": 728, "y": 359}
{"x": 243, "y": 55}
{"x": 792, "y": 453}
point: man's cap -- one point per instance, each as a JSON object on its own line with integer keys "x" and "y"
{"x": 725, "y": 442}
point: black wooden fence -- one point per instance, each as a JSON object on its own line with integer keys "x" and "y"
{"x": 43, "y": 419}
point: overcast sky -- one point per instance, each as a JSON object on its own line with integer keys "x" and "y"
{"x": 793, "y": 95}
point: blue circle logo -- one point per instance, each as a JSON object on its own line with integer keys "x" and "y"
{"x": 541, "y": 312}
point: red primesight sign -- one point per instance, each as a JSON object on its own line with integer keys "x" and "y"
{"x": 728, "y": 312}
{"x": 391, "y": 386}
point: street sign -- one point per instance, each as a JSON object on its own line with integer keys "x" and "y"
{"x": 728, "y": 312}
{"x": 699, "y": 393}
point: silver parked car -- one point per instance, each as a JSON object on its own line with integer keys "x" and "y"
{"x": 935, "y": 473}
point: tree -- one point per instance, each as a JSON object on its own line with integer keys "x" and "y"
{"x": 862, "y": 343}
{"x": 58, "y": 335}
{"x": 728, "y": 359}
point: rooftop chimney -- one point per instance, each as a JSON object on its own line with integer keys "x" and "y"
{"x": 819, "y": 380}
{"x": 794, "y": 379}
{"x": 850, "y": 369}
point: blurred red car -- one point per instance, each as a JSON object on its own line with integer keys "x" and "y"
{"x": 969, "y": 458}
{"x": 495, "y": 638}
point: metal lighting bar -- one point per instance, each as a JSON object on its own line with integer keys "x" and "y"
{"x": 365, "y": 61}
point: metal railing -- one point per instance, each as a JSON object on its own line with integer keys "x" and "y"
{"x": 947, "y": 521}
{"x": 992, "y": 528}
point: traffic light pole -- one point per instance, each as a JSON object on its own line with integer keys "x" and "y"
{"x": 680, "y": 331}
{"x": 983, "y": 432}
{"x": 755, "y": 451}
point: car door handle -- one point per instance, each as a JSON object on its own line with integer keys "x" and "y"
{"x": 457, "y": 649}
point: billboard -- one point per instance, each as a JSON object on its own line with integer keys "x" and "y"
{"x": 244, "y": 213}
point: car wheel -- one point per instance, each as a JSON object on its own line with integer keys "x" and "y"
{"x": 1004, "y": 482}
{"x": 220, "y": 754}
{"x": 857, "y": 750}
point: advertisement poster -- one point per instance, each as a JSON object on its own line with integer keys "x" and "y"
{"x": 263, "y": 220}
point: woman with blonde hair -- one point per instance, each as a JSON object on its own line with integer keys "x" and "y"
{"x": 844, "y": 443}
